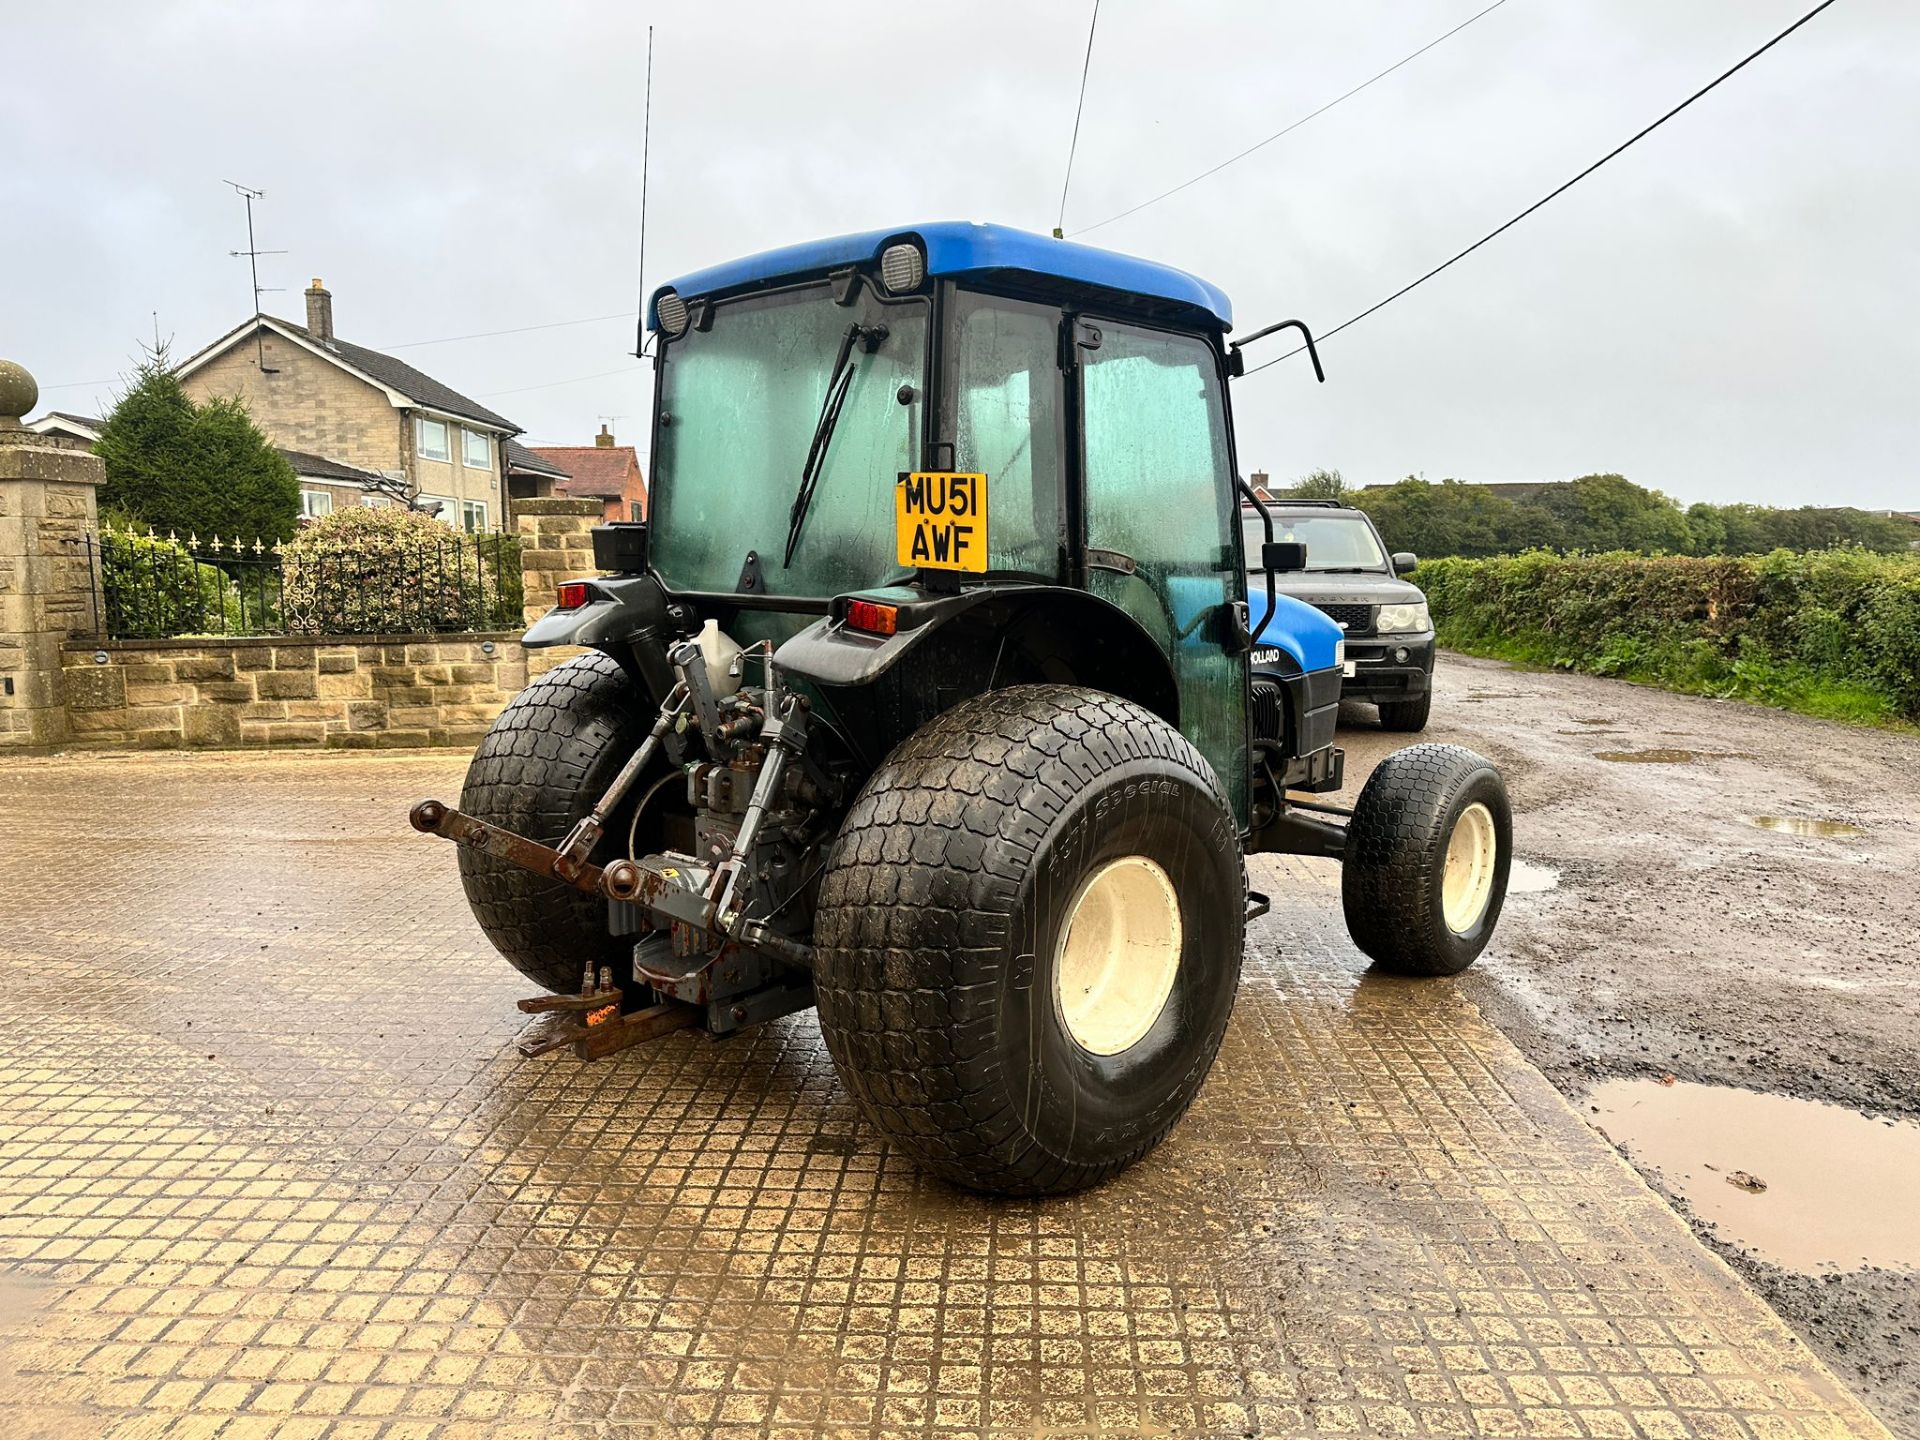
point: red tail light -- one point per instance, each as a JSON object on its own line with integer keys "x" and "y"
{"x": 872, "y": 618}
{"x": 574, "y": 594}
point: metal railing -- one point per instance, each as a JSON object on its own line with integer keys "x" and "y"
{"x": 156, "y": 587}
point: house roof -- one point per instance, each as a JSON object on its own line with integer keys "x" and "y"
{"x": 86, "y": 427}
{"x": 400, "y": 380}
{"x": 598, "y": 472}
{"x": 318, "y": 467}
{"x": 962, "y": 247}
{"x": 520, "y": 458}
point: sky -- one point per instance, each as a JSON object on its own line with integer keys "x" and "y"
{"x": 1730, "y": 311}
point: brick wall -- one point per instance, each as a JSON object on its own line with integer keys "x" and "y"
{"x": 326, "y": 691}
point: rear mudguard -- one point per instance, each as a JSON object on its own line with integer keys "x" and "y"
{"x": 1108, "y": 648}
{"x": 627, "y": 616}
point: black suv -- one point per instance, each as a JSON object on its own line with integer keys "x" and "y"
{"x": 1350, "y": 576}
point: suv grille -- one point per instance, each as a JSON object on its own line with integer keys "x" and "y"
{"x": 1354, "y": 619}
{"x": 1269, "y": 711}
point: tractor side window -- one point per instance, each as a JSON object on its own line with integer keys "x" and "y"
{"x": 1004, "y": 414}
{"x": 1158, "y": 490}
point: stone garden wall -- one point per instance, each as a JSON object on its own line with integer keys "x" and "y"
{"x": 60, "y": 688}
{"x": 336, "y": 692}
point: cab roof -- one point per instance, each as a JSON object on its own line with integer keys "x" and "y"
{"x": 962, "y": 247}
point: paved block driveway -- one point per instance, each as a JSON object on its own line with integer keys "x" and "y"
{"x": 269, "y": 1166}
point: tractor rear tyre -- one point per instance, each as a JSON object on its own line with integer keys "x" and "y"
{"x": 1028, "y": 938}
{"x": 549, "y": 756}
{"x": 1428, "y": 850}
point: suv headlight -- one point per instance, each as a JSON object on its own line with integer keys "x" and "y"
{"x": 1403, "y": 619}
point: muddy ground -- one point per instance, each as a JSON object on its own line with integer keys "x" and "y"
{"x": 1683, "y": 940}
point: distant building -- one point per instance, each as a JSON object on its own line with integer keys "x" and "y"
{"x": 605, "y": 471}
{"x": 360, "y": 427}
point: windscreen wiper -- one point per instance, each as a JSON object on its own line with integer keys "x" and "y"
{"x": 869, "y": 338}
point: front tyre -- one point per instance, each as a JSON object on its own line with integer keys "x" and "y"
{"x": 1028, "y": 938}
{"x": 1408, "y": 716}
{"x": 1428, "y": 850}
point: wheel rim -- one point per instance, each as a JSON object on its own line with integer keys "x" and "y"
{"x": 1118, "y": 955}
{"x": 1466, "y": 887}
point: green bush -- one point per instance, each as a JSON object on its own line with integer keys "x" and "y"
{"x": 1830, "y": 632}
{"x": 389, "y": 571}
{"x": 193, "y": 469}
{"x": 154, "y": 588}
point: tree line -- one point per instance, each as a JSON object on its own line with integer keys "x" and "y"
{"x": 1597, "y": 513}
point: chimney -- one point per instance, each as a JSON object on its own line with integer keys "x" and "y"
{"x": 1259, "y": 483}
{"x": 320, "y": 311}
{"x": 604, "y": 440}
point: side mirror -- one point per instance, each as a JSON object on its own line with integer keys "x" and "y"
{"x": 1281, "y": 556}
{"x": 1403, "y": 561}
{"x": 620, "y": 547}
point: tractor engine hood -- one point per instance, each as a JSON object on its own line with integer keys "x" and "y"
{"x": 1302, "y": 634}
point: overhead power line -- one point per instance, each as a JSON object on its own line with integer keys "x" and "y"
{"x": 1086, "y": 67}
{"x": 1624, "y": 145}
{"x": 516, "y": 330}
{"x": 554, "y": 384}
{"x": 1288, "y": 130}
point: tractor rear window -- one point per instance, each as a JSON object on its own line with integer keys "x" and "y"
{"x": 1004, "y": 413}
{"x": 739, "y": 403}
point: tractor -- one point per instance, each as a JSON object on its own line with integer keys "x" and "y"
{"x": 932, "y": 693}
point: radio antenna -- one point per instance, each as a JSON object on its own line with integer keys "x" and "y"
{"x": 253, "y": 254}
{"x": 646, "y": 143}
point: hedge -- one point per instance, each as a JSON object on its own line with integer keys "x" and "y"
{"x": 1830, "y": 632}
{"x": 393, "y": 571}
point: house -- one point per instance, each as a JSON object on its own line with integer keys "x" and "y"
{"x": 528, "y": 476}
{"x": 360, "y": 427}
{"x": 603, "y": 471}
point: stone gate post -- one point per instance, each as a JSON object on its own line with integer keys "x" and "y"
{"x": 556, "y": 543}
{"x": 48, "y": 588}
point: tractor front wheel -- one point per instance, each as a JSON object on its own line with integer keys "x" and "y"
{"x": 1428, "y": 850}
{"x": 1028, "y": 938}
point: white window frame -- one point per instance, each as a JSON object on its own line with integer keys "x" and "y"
{"x": 420, "y": 444}
{"x": 467, "y": 508}
{"x": 308, "y": 509}
{"x": 449, "y": 507}
{"x": 373, "y": 501}
{"x": 467, "y": 439}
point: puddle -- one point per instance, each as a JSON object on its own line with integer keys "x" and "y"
{"x": 1525, "y": 879}
{"x": 1667, "y": 757}
{"x": 1802, "y": 825}
{"x": 1808, "y": 1186}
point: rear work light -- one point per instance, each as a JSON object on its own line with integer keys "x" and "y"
{"x": 872, "y": 618}
{"x": 573, "y": 594}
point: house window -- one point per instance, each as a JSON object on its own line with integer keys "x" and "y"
{"x": 315, "y": 503}
{"x": 633, "y": 510}
{"x": 473, "y": 516}
{"x": 374, "y": 502}
{"x": 441, "y": 507}
{"x": 474, "y": 450}
{"x": 433, "y": 440}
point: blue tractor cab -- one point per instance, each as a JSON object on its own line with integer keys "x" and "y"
{"x": 932, "y": 691}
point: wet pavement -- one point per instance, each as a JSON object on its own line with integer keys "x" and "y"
{"x": 269, "y": 1166}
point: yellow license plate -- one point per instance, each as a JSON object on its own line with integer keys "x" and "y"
{"x": 940, "y": 521}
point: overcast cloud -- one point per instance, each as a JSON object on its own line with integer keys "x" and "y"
{"x": 1731, "y": 311}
